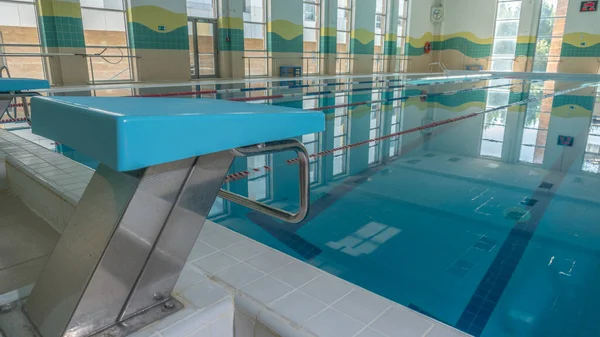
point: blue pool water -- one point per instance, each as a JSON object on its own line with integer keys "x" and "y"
{"x": 487, "y": 224}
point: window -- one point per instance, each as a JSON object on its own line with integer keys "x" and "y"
{"x": 505, "y": 36}
{"x": 396, "y": 124}
{"x": 503, "y": 53}
{"x": 104, "y": 26}
{"x": 546, "y": 58}
{"x": 380, "y": 17}
{"x": 312, "y": 144}
{"x": 312, "y": 25}
{"x": 535, "y": 130}
{"x": 401, "y": 35}
{"x": 591, "y": 158}
{"x": 340, "y": 136}
{"x": 375, "y": 129}
{"x": 18, "y": 25}
{"x": 255, "y": 37}
{"x": 551, "y": 29}
{"x": 259, "y": 182}
{"x": 201, "y": 8}
{"x": 344, "y": 27}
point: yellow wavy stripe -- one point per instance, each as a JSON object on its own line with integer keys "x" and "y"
{"x": 59, "y": 8}
{"x": 466, "y": 35}
{"x": 328, "y": 31}
{"x": 526, "y": 39}
{"x": 419, "y": 42}
{"x": 571, "y": 111}
{"x": 517, "y": 108}
{"x": 154, "y": 16}
{"x": 416, "y": 102}
{"x": 228, "y": 22}
{"x": 391, "y": 37}
{"x": 582, "y": 40}
{"x": 286, "y": 29}
{"x": 363, "y": 35}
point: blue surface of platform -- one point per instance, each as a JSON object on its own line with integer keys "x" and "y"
{"x": 128, "y": 133}
{"x": 21, "y": 84}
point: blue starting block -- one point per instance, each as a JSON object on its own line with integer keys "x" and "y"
{"x": 11, "y": 89}
{"x": 162, "y": 165}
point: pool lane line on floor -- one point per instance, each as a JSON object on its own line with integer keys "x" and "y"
{"x": 410, "y": 83}
{"x": 484, "y": 300}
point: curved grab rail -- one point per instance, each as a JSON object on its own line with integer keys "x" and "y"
{"x": 268, "y": 148}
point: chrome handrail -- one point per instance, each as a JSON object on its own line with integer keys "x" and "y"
{"x": 7, "y": 71}
{"x": 268, "y": 148}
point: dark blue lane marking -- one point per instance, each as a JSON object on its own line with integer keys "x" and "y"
{"x": 485, "y": 299}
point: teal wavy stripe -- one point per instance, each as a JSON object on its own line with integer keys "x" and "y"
{"x": 413, "y": 51}
{"x": 356, "y": 47}
{"x": 278, "y": 44}
{"x": 586, "y": 102}
{"x": 355, "y": 98}
{"x": 235, "y": 37}
{"x": 61, "y": 31}
{"x": 460, "y": 98}
{"x": 328, "y": 44}
{"x": 517, "y": 96}
{"x": 525, "y": 49}
{"x": 468, "y": 48}
{"x": 390, "y": 47}
{"x": 569, "y": 50}
{"x": 142, "y": 37}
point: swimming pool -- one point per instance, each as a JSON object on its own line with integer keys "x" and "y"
{"x": 485, "y": 222}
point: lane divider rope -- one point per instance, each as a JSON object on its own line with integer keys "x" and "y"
{"x": 246, "y": 173}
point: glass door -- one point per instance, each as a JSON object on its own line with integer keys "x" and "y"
{"x": 203, "y": 47}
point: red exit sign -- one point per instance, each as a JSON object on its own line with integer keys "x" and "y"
{"x": 589, "y": 6}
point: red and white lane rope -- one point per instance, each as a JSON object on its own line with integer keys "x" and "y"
{"x": 246, "y": 173}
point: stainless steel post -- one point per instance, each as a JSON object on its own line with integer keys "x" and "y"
{"x": 107, "y": 245}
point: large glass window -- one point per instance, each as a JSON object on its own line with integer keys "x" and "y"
{"x": 380, "y": 21}
{"x": 591, "y": 159}
{"x": 104, "y": 25}
{"x": 255, "y": 37}
{"x": 259, "y": 183}
{"x": 312, "y": 144}
{"x": 375, "y": 129}
{"x": 312, "y": 25}
{"x": 503, "y": 54}
{"x": 19, "y": 34}
{"x": 201, "y": 8}
{"x": 505, "y": 36}
{"x": 546, "y": 59}
{"x": 550, "y": 33}
{"x": 401, "y": 38}
{"x": 340, "y": 136}
{"x": 396, "y": 124}
{"x": 344, "y": 28}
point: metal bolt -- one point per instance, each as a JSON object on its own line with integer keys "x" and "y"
{"x": 5, "y": 308}
{"x": 158, "y": 297}
{"x": 169, "y": 305}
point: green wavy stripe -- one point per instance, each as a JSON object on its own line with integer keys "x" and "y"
{"x": 328, "y": 44}
{"x": 410, "y": 50}
{"x": 278, "y": 44}
{"x": 569, "y": 50}
{"x": 390, "y": 47}
{"x": 525, "y": 49}
{"x": 142, "y": 37}
{"x": 357, "y": 47}
{"x": 236, "y": 39}
{"x": 61, "y": 31}
{"x": 469, "y": 48}
{"x": 586, "y": 102}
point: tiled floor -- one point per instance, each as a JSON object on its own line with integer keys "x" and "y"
{"x": 26, "y": 242}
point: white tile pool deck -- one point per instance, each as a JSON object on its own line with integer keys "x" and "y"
{"x": 231, "y": 285}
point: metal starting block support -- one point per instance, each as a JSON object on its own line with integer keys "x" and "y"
{"x": 117, "y": 262}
